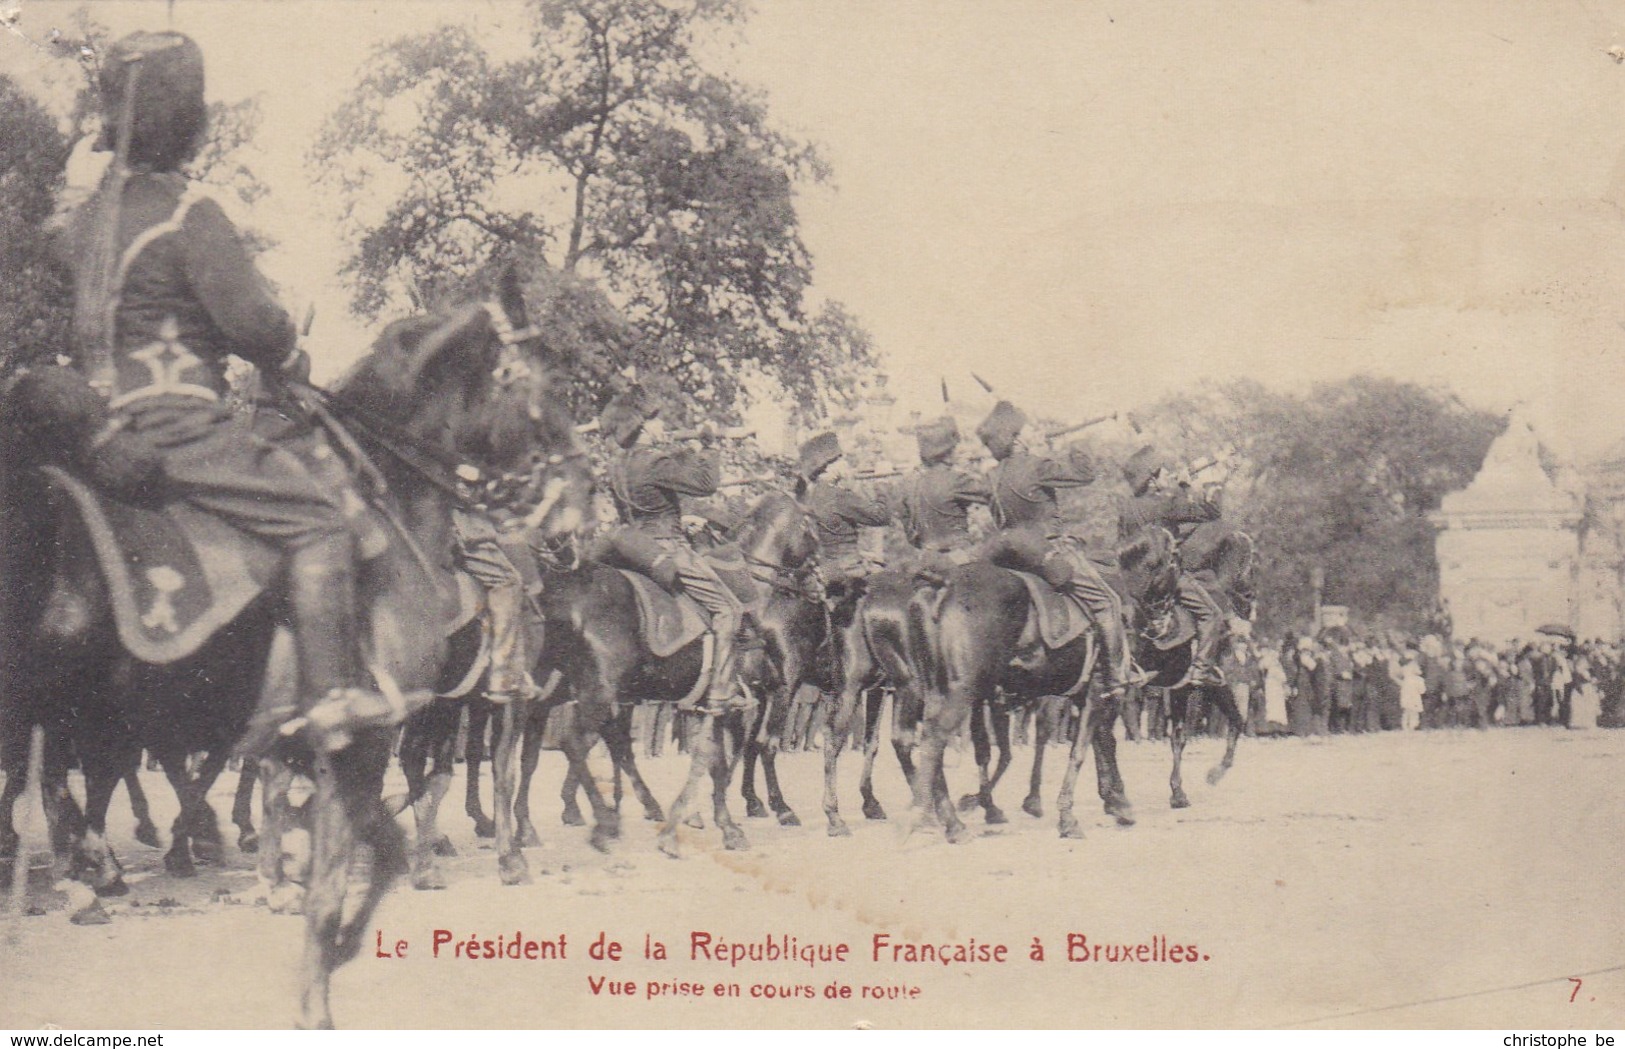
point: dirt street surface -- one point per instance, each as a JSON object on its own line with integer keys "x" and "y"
{"x": 1441, "y": 879}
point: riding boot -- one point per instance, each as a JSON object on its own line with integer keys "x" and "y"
{"x": 1209, "y": 616}
{"x": 510, "y": 674}
{"x": 1085, "y": 586}
{"x": 700, "y": 581}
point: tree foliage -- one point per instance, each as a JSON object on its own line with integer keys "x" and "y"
{"x": 608, "y": 150}
{"x": 36, "y": 309}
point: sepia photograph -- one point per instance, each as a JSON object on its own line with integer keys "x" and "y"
{"x": 812, "y": 514}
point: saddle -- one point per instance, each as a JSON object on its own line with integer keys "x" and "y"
{"x": 174, "y": 575}
{"x": 667, "y": 622}
{"x": 1060, "y": 620}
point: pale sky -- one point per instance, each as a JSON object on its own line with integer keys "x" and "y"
{"x": 1093, "y": 204}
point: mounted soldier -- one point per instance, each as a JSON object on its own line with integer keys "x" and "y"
{"x": 936, "y": 501}
{"x": 1159, "y": 500}
{"x": 649, "y": 482}
{"x": 164, "y": 291}
{"x": 838, "y": 512}
{"x": 1032, "y": 537}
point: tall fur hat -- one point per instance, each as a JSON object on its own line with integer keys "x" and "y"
{"x": 937, "y": 439}
{"x": 818, "y": 453}
{"x": 623, "y": 417}
{"x": 1001, "y": 428}
{"x": 1142, "y": 466}
{"x": 168, "y": 113}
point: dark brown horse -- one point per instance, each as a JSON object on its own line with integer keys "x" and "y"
{"x": 434, "y": 383}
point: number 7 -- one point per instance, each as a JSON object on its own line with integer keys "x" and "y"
{"x": 1575, "y": 980}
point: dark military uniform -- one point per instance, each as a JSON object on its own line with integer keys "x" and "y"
{"x": 1027, "y": 512}
{"x": 936, "y": 502}
{"x": 838, "y": 513}
{"x": 1178, "y": 511}
{"x": 649, "y": 485}
{"x": 184, "y": 293}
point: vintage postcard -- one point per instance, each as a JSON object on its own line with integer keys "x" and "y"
{"x": 1067, "y": 514}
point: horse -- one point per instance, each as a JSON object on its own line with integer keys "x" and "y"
{"x": 987, "y": 641}
{"x": 434, "y": 383}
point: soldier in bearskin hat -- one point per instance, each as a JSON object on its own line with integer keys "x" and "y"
{"x": 1031, "y": 536}
{"x": 164, "y": 292}
{"x": 649, "y": 482}
{"x": 838, "y": 511}
{"x": 1159, "y": 500}
{"x": 936, "y": 499}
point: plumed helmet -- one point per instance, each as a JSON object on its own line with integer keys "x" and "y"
{"x": 166, "y": 108}
{"x": 1141, "y": 467}
{"x": 818, "y": 453}
{"x": 623, "y": 417}
{"x": 1001, "y": 428}
{"x": 938, "y": 439}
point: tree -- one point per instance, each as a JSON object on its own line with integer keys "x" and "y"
{"x": 607, "y": 151}
{"x": 36, "y": 309}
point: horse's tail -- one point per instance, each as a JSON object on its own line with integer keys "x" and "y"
{"x": 923, "y": 616}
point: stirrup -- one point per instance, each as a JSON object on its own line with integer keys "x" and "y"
{"x": 332, "y": 723}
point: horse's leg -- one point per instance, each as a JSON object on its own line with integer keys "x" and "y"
{"x": 837, "y": 728}
{"x": 417, "y": 740}
{"x": 624, "y": 755}
{"x": 511, "y": 865}
{"x": 102, "y": 871}
{"x": 1001, "y": 740}
{"x": 981, "y": 750}
{"x": 776, "y": 714}
{"x": 1178, "y": 707}
{"x": 729, "y": 727}
{"x": 873, "y": 706}
{"x": 1236, "y": 722}
{"x": 146, "y": 832}
{"x": 479, "y": 716}
{"x": 1033, "y": 805}
{"x": 754, "y": 809}
{"x": 282, "y": 894}
{"x": 207, "y": 846}
{"x": 1108, "y": 777}
{"x": 242, "y": 808}
{"x": 1082, "y": 742}
{"x": 530, "y": 754}
{"x": 703, "y": 746}
{"x": 178, "y": 860}
{"x": 577, "y": 744}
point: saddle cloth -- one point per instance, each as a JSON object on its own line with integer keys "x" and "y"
{"x": 1060, "y": 620}
{"x": 174, "y": 576}
{"x": 667, "y": 622}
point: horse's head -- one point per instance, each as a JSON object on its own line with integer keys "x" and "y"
{"x": 778, "y": 533}
{"x": 472, "y": 385}
{"x": 1149, "y": 564}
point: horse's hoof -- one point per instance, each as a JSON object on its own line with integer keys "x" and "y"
{"x": 734, "y": 840}
{"x": 1070, "y": 828}
{"x": 958, "y": 834}
{"x": 754, "y": 809}
{"x": 485, "y": 827}
{"x": 286, "y": 898}
{"x": 1215, "y": 774}
{"x": 968, "y": 802}
{"x": 248, "y": 842}
{"x": 528, "y": 838}
{"x": 92, "y": 913}
{"x": 872, "y": 810}
{"x": 147, "y": 834}
{"x": 178, "y": 862}
{"x": 113, "y": 888}
{"x": 443, "y": 847}
{"x": 1179, "y": 801}
{"x": 513, "y": 870}
{"x": 695, "y": 822}
{"x": 654, "y": 815}
{"x": 996, "y": 816}
{"x": 428, "y": 879}
{"x": 668, "y": 845}
{"x": 572, "y": 818}
{"x": 839, "y": 829}
{"x": 601, "y": 840}
{"x": 789, "y": 819}
{"x": 1119, "y": 809}
{"x": 1033, "y": 807}
{"x": 208, "y": 853}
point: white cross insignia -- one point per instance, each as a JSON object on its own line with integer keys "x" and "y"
{"x": 161, "y": 616}
{"x": 167, "y": 359}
